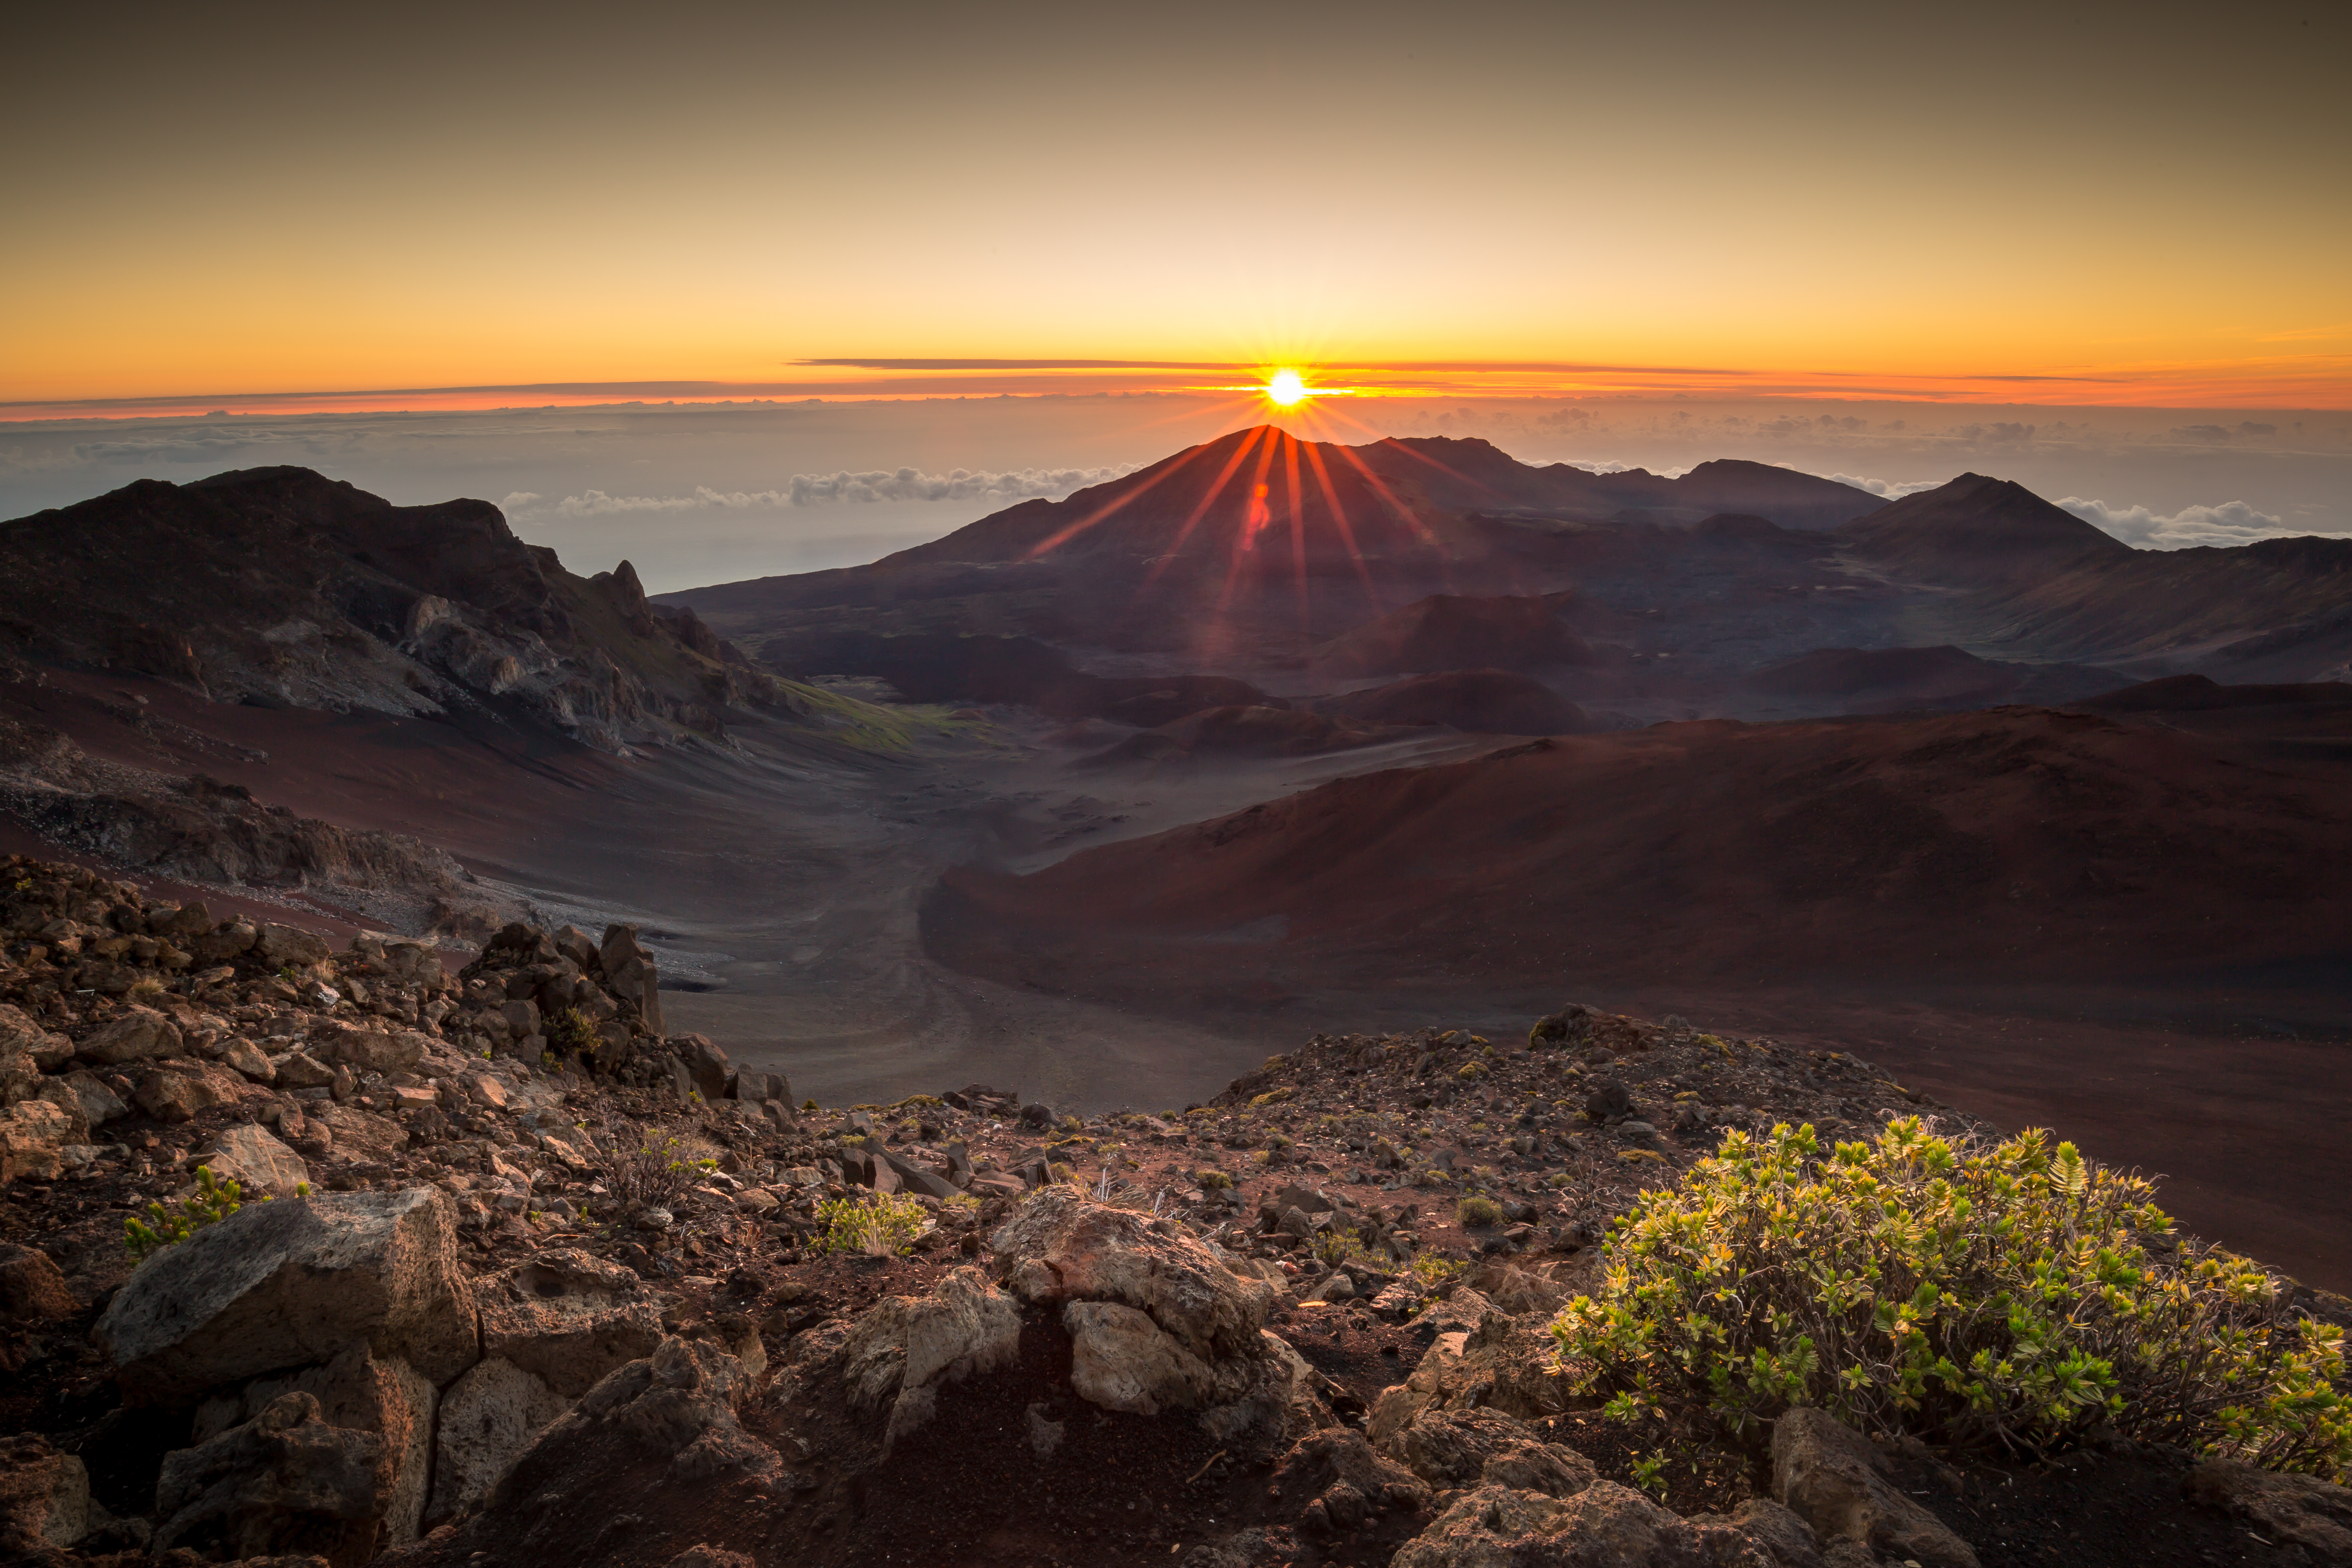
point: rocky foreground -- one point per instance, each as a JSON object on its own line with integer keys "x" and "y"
{"x": 511, "y": 1274}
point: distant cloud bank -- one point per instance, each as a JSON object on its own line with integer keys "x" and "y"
{"x": 826, "y": 489}
{"x": 1883, "y": 488}
{"x": 2232, "y": 523}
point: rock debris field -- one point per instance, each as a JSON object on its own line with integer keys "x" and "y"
{"x": 344, "y": 1257}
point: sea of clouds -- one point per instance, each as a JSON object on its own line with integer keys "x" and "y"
{"x": 874, "y": 486}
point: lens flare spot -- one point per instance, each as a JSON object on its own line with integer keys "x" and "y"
{"x": 1285, "y": 387}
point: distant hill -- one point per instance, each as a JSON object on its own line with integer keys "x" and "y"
{"x": 1452, "y": 631}
{"x": 1477, "y": 701}
{"x": 1263, "y": 490}
{"x": 1977, "y": 531}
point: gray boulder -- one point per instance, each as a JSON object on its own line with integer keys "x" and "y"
{"x": 568, "y": 1317}
{"x": 361, "y": 1393}
{"x": 136, "y": 1033}
{"x": 631, "y": 977}
{"x": 44, "y": 1497}
{"x": 489, "y": 1417}
{"x": 1602, "y": 1524}
{"x": 294, "y": 1283}
{"x": 1835, "y": 1478}
{"x": 2303, "y": 1509}
{"x": 286, "y": 1481}
{"x": 49, "y": 1049}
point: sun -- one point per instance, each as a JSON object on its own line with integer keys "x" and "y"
{"x": 1285, "y": 387}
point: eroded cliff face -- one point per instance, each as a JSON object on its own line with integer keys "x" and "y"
{"x": 283, "y": 588}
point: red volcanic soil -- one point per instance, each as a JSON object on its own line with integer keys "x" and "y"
{"x": 1888, "y": 674}
{"x": 2015, "y": 842}
{"x": 1452, "y": 631}
{"x": 1476, "y": 701}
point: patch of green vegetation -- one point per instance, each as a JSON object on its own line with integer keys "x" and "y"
{"x": 570, "y": 1033}
{"x": 874, "y": 727}
{"x": 1477, "y": 1211}
{"x": 884, "y": 1225}
{"x": 1432, "y": 1269}
{"x": 1337, "y": 1247}
{"x": 1974, "y": 1294}
{"x": 167, "y": 1224}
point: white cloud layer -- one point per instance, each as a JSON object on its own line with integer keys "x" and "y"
{"x": 2232, "y": 523}
{"x": 1889, "y": 490}
{"x": 826, "y": 490}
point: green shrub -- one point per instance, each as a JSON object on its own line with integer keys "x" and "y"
{"x": 1477, "y": 1211}
{"x": 210, "y": 1203}
{"x": 1969, "y": 1293}
{"x": 882, "y": 1223}
{"x": 1471, "y": 1072}
{"x": 1212, "y": 1181}
{"x": 1435, "y": 1268}
{"x": 571, "y": 1033}
{"x": 1337, "y": 1247}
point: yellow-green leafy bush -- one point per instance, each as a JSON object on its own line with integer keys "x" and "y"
{"x": 1971, "y": 1293}
{"x": 882, "y": 1223}
{"x": 1478, "y": 1211}
{"x": 1435, "y": 1268}
{"x": 572, "y": 1033}
{"x": 212, "y": 1202}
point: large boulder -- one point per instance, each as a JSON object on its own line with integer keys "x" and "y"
{"x": 1602, "y": 1524}
{"x": 294, "y": 1283}
{"x": 1451, "y": 1449}
{"x": 2303, "y": 1510}
{"x": 49, "y": 1049}
{"x": 33, "y": 1137}
{"x": 369, "y": 1050}
{"x": 136, "y": 1033}
{"x": 178, "y": 1090}
{"x": 33, "y": 1289}
{"x": 44, "y": 1497}
{"x": 362, "y": 1392}
{"x": 286, "y": 1481}
{"x": 489, "y": 1417}
{"x": 903, "y": 1346}
{"x": 1060, "y": 1246}
{"x": 1835, "y": 1479}
{"x": 630, "y": 975}
{"x": 568, "y": 1317}
{"x": 259, "y": 1163}
{"x": 676, "y": 1411}
{"x": 1121, "y": 1360}
{"x": 99, "y": 1103}
{"x": 285, "y": 944}
{"x": 705, "y": 1064}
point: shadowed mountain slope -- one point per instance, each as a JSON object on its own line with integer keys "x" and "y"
{"x": 1977, "y": 530}
{"x": 2006, "y": 845}
{"x": 283, "y": 588}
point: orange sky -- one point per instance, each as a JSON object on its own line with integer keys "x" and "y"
{"x": 2115, "y": 206}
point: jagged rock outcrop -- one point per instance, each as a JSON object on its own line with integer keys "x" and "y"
{"x": 281, "y": 587}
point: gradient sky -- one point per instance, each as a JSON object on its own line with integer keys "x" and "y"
{"x": 2119, "y": 204}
